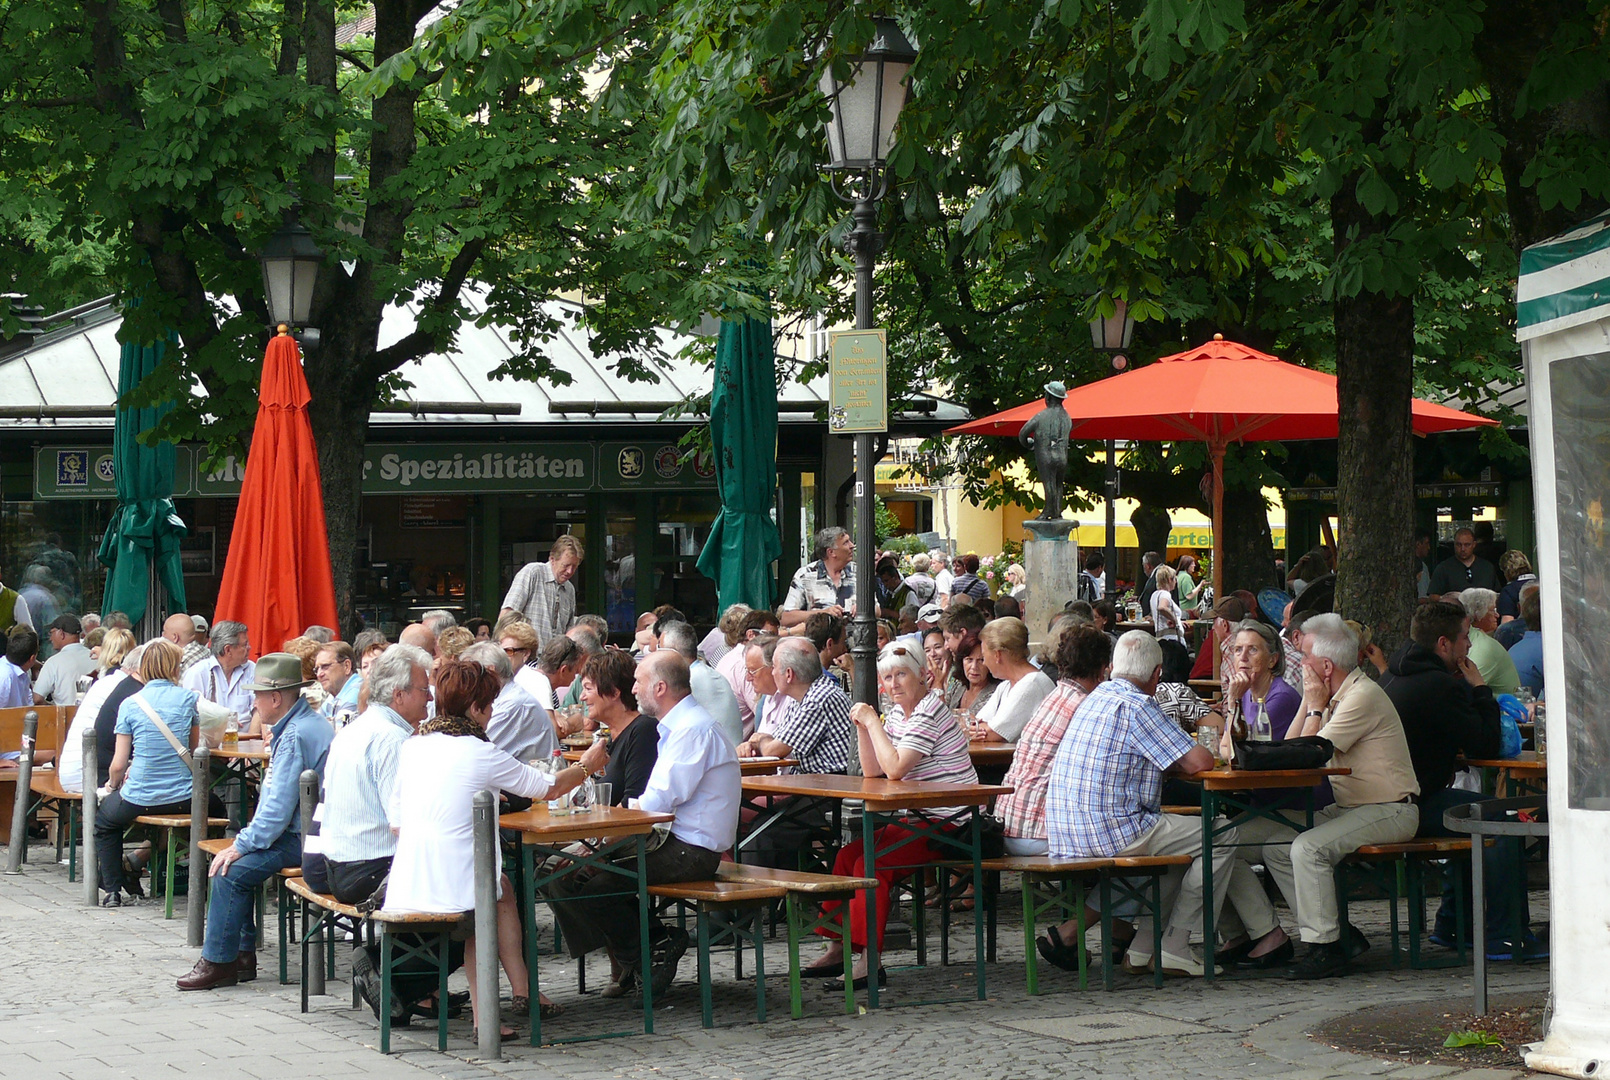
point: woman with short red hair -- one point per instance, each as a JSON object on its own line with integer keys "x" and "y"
{"x": 438, "y": 773}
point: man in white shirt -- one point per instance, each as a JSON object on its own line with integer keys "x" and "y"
{"x": 519, "y": 724}
{"x": 57, "y": 683}
{"x": 225, "y": 677}
{"x": 710, "y": 688}
{"x": 697, "y": 778}
{"x": 361, "y": 772}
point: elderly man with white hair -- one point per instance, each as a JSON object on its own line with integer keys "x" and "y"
{"x": 519, "y": 724}
{"x": 1105, "y": 793}
{"x": 1374, "y": 802}
{"x": 1491, "y": 659}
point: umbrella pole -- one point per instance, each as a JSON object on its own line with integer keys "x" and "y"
{"x": 1217, "y": 450}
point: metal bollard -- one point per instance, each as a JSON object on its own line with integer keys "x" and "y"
{"x": 196, "y": 908}
{"x": 487, "y": 871}
{"x": 19, "y": 812}
{"x": 92, "y": 774}
{"x": 315, "y": 961}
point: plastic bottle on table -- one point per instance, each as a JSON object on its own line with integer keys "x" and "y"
{"x": 561, "y": 805}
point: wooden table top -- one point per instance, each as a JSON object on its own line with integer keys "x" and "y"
{"x": 878, "y": 793}
{"x": 761, "y": 766}
{"x": 1528, "y": 762}
{"x": 1228, "y": 779}
{"x": 991, "y": 753}
{"x": 245, "y": 750}
{"x": 537, "y": 826}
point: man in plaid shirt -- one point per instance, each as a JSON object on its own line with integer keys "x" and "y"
{"x": 818, "y": 733}
{"x": 1105, "y": 800}
{"x": 543, "y": 592}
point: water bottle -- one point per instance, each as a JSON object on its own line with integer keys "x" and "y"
{"x": 558, "y": 807}
{"x": 1258, "y": 729}
{"x": 1539, "y": 732}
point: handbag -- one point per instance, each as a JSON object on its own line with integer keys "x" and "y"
{"x": 1303, "y": 752}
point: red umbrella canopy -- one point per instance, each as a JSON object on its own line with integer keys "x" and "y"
{"x": 1219, "y": 392}
{"x": 277, "y": 578}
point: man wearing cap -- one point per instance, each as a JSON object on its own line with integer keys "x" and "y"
{"x": 57, "y": 683}
{"x": 300, "y": 741}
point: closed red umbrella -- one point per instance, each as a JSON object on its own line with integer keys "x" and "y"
{"x": 277, "y": 578}
{"x": 1218, "y": 393}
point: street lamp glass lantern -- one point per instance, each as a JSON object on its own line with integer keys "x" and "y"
{"x": 867, "y": 106}
{"x": 291, "y": 263}
{"x": 1111, "y": 333}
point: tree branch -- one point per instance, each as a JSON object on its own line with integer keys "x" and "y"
{"x": 420, "y": 342}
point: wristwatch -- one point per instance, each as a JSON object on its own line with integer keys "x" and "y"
{"x": 1314, "y": 712}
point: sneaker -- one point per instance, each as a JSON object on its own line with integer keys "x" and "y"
{"x": 1178, "y": 966}
{"x": 1443, "y": 939}
{"x": 666, "y": 956}
{"x": 1531, "y": 948}
{"x": 112, "y": 899}
{"x": 1137, "y": 963}
{"x": 1322, "y": 961}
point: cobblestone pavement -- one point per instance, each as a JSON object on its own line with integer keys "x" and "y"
{"x": 94, "y": 998}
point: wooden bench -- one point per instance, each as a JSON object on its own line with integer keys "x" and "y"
{"x": 68, "y": 807}
{"x": 1400, "y": 869}
{"x": 53, "y": 722}
{"x": 393, "y": 947}
{"x": 171, "y": 824}
{"x": 1055, "y": 889}
{"x": 804, "y": 888}
{"x": 718, "y": 902}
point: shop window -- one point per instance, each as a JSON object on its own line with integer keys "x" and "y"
{"x": 528, "y": 526}
{"x": 620, "y": 571}
{"x": 47, "y": 553}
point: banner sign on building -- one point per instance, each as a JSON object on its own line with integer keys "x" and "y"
{"x": 410, "y": 468}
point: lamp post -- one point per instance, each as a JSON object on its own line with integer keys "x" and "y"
{"x": 865, "y": 108}
{"x": 291, "y": 262}
{"x": 1111, "y": 334}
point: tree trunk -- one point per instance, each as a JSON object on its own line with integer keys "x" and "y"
{"x": 1375, "y": 451}
{"x": 1152, "y": 524}
{"x": 339, "y": 416}
{"x": 1249, "y": 561}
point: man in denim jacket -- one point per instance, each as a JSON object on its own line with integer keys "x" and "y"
{"x": 300, "y": 739}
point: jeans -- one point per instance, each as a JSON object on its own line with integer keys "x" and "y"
{"x": 231, "y": 910}
{"x": 1505, "y": 874}
{"x": 113, "y": 816}
{"x": 352, "y": 882}
{"x": 591, "y": 919}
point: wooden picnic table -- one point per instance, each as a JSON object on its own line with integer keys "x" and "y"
{"x": 884, "y": 801}
{"x": 1520, "y": 775}
{"x": 608, "y": 832}
{"x": 242, "y": 762}
{"x": 1221, "y": 786}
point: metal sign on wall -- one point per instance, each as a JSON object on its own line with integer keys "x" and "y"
{"x": 859, "y": 380}
{"x": 86, "y": 472}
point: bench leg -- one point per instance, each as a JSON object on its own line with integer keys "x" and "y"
{"x": 307, "y": 935}
{"x": 1107, "y": 977}
{"x": 1157, "y": 930}
{"x": 1030, "y": 951}
{"x": 757, "y": 934}
{"x": 441, "y": 993}
{"x": 706, "y": 1008}
{"x": 385, "y": 989}
{"x": 167, "y": 900}
{"x": 72, "y": 840}
{"x": 796, "y": 1006}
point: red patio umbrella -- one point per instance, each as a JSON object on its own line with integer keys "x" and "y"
{"x": 277, "y": 578}
{"x": 1218, "y": 393}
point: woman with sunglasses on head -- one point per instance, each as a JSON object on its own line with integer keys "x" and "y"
{"x": 918, "y": 740}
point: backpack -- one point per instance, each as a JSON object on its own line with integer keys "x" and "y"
{"x": 1087, "y": 587}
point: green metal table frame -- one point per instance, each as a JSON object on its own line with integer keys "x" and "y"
{"x": 601, "y": 859}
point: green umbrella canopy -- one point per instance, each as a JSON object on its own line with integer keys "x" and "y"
{"x": 145, "y": 528}
{"x": 743, "y": 427}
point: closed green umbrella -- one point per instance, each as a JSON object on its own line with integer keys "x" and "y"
{"x": 743, "y": 427}
{"x": 145, "y": 529}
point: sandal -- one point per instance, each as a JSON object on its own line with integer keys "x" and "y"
{"x": 521, "y": 1006}
{"x": 963, "y": 904}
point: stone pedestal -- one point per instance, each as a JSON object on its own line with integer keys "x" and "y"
{"x": 1051, "y": 563}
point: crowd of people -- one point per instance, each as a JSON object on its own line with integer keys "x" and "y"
{"x": 1103, "y": 725}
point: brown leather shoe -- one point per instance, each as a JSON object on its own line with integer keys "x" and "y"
{"x": 246, "y": 967}
{"x": 206, "y": 975}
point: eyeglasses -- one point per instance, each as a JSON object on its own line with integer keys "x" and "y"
{"x": 320, "y": 669}
{"x": 511, "y": 652}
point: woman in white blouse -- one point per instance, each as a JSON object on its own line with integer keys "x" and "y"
{"x": 115, "y": 646}
{"x": 438, "y": 773}
{"x": 1023, "y": 686}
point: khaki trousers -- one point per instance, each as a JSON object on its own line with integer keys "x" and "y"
{"x": 1305, "y": 869}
